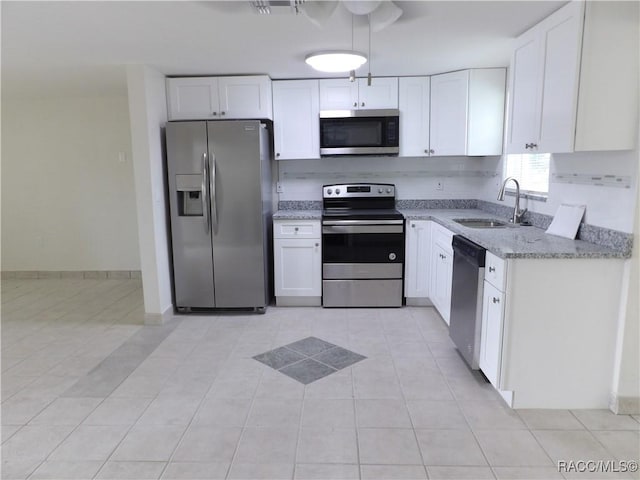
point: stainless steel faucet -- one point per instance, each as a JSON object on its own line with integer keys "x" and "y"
{"x": 517, "y": 213}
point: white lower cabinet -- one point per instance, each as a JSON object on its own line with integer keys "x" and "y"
{"x": 297, "y": 262}
{"x": 549, "y": 330}
{"x": 441, "y": 274}
{"x": 491, "y": 338}
{"x": 417, "y": 261}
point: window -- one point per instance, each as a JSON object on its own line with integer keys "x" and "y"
{"x": 531, "y": 171}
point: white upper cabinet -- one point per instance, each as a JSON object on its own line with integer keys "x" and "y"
{"x": 467, "y": 112}
{"x": 382, "y": 93}
{"x": 449, "y": 99}
{"x": 199, "y": 98}
{"x": 341, "y": 94}
{"x": 413, "y": 102}
{"x": 296, "y": 110}
{"x": 245, "y": 96}
{"x": 544, "y": 84}
{"x": 574, "y": 77}
{"x": 192, "y": 98}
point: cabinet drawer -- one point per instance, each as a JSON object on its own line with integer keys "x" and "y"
{"x": 296, "y": 229}
{"x": 442, "y": 237}
{"x": 495, "y": 271}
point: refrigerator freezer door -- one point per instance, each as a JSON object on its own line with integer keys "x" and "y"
{"x": 190, "y": 231}
{"x": 238, "y": 233}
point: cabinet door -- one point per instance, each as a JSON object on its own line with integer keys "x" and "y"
{"x": 562, "y": 38}
{"x": 524, "y": 103}
{"x": 449, "y": 106}
{"x": 338, "y": 94}
{"x": 413, "y": 101}
{"x": 491, "y": 336}
{"x": 297, "y": 264}
{"x": 192, "y": 98}
{"x": 296, "y": 109}
{"x": 382, "y": 93}
{"x": 441, "y": 277}
{"x": 417, "y": 259}
{"x": 245, "y": 96}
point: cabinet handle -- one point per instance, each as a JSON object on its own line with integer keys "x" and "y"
{"x": 530, "y": 145}
{"x": 362, "y": 104}
{"x": 317, "y": 244}
{"x": 426, "y": 150}
{"x": 222, "y": 113}
{"x": 277, "y": 154}
{"x": 215, "y": 114}
{"x": 496, "y": 300}
{"x": 432, "y": 151}
{"x": 295, "y": 229}
{"x": 492, "y": 269}
{"x": 413, "y": 225}
{"x": 355, "y": 104}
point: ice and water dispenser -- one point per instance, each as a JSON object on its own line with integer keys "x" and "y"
{"x": 190, "y": 189}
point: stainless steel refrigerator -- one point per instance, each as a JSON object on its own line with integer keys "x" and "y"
{"x": 219, "y": 179}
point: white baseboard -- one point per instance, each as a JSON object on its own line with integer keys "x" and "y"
{"x": 73, "y": 274}
{"x": 418, "y": 302}
{"x": 158, "y": 318}
{"x": 624, "y": 405}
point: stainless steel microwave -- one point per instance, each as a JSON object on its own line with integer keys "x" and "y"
{"x": 359, "y": 132}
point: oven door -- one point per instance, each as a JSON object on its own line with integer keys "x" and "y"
{"x": 363, "y": 241}
{"x": 362, "y": 263}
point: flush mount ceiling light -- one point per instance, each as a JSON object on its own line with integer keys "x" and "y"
{"x": 334, "y": 61}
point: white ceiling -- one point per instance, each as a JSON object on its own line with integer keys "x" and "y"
{"x": 82, "y": 47}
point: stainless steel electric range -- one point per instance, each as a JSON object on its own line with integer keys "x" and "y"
{"x": 362, "y": 246}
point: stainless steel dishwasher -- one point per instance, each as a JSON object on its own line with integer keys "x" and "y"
{"x": 466, "y": 298}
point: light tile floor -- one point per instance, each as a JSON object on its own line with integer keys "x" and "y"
{"x": 89, "y": 392}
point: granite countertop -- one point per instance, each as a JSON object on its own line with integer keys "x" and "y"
{"x": 310, "y": 214}
{"x": 513, "y": 241}
{"x": 509, "y": 242}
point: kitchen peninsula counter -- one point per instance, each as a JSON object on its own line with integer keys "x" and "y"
{"x": 515, "y": 241}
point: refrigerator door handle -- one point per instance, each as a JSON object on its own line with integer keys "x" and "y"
{"x": 205, "y": 201}
{"x": 214, "y": 200}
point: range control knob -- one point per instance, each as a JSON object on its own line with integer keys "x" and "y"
{"x": 337, "y": 191}
{"x": 379, "y": 190}
{"x": 392, "y": 256}
{"x": 329, "y": 192}
{"x": 388, "y": 190}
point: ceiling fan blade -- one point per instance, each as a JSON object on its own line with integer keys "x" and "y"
{"x": 384, "y": 15}
{"x": 318, "y": 12}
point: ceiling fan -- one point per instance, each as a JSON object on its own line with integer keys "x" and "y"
{"x": 382, "y": 13}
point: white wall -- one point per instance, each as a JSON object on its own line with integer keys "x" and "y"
{"x": 626, "y": 375}
{"x": 68, "y": 200}
{"x": 609, "y": 207}
{"x": 148, "y": 114}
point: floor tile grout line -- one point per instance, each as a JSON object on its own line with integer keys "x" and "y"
{"x": 472, "y": 430}
{"x": 123, "y": 437}
{"x": 46, "y": 458}
{"x": 406, "y": 405}
{"x": 145, "y": 410}
{"x": 246, "y": 420}
{"x": 51, "y": 321}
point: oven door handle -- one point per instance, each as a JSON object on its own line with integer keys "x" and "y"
{"x": 342, "y": 229}
{"x": 362, "y": 222}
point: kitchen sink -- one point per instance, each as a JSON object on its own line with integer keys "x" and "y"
{"x": 480, "y": 223}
